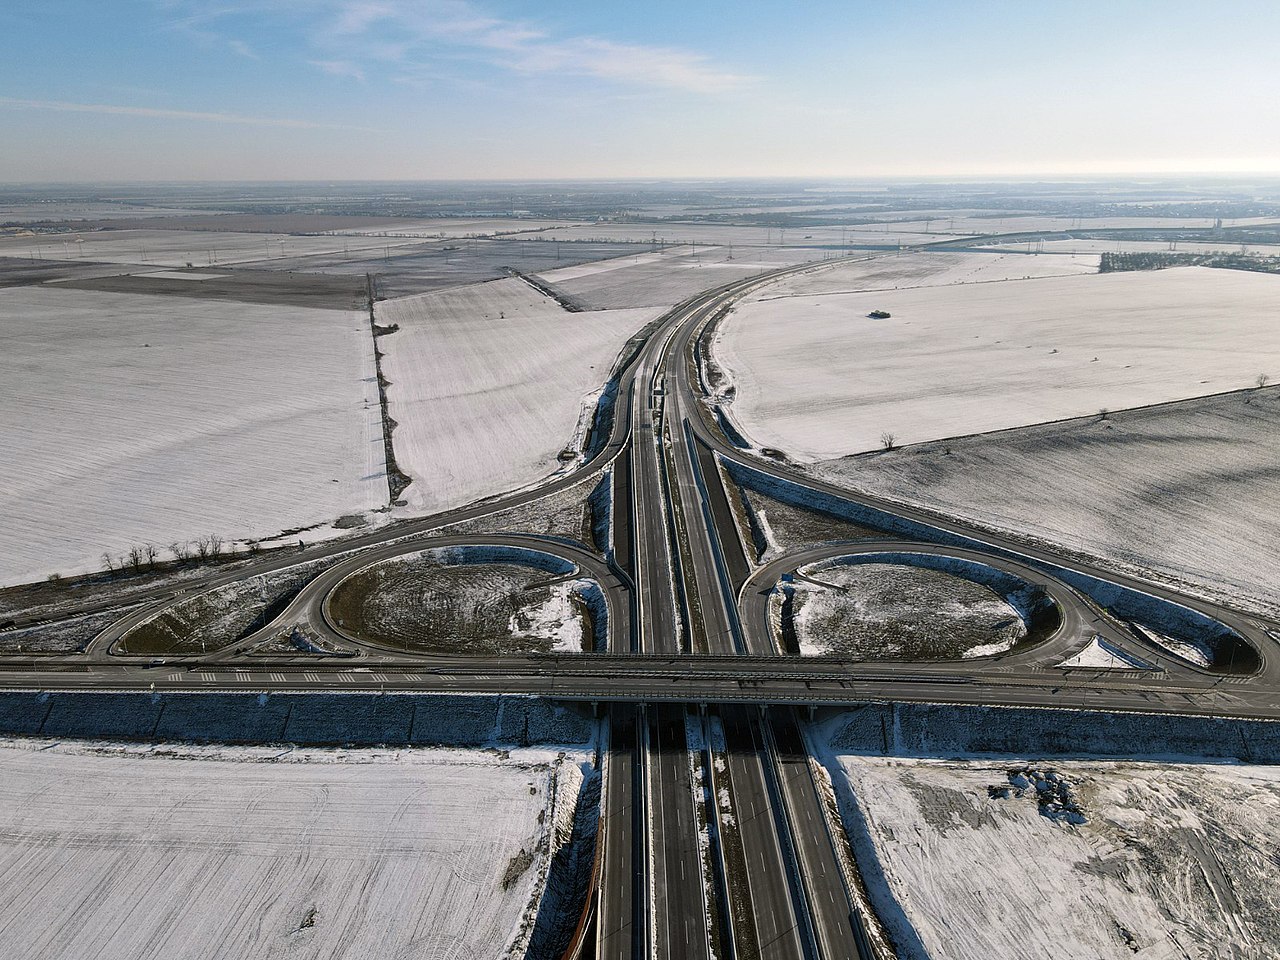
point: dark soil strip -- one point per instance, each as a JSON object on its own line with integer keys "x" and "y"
{"x": 397, "y": 479}
{"x": 570, "y": 303}
{"x": 568, "y": 879}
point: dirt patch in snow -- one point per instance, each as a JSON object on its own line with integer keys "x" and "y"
{"x": 899, "y": 611}
{"x": 425, "y": 603}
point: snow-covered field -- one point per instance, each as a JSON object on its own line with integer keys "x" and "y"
{"x": 131, "y": 419}
{"x": 925, "y": 269}
{"x": 461, "y": 227}
{"x": 662, "y": 279}
{"x": 1081, "y": 859}
{"x": 745, "y": 237}
{"x": 1187, "y": 491}
{"x": 1035, "y": 222}
{"x": 1139, "y": 246}
{"x": 818, "y": 378}
{"x": 178, "y": 248}
{"x": 250, "y": 853}
{"x": 489, "y": 383}
{"x": 87, "y": 210}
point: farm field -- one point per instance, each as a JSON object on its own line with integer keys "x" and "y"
{"x": 1041, "y": 223}
{"x": 1098, "y": 859}
{"x": 178, "y": 248}
{"x": 451, "y": 227}
{"x": 713, "y": 234}
{"x": 664, "y": 278}
{"x": 54, "y": 211}
{"x": 143, "y": 419}
{"x": 418, "y": 267}
{"x": 490, "y": 383}
{"x": 1140, "y": 246}
{"x": 233, "y": 284}
{"x": 818, "y": 378}
{"x": 921, "y": 268}
{"x": 1186, "y": 492}
{"x": 197, "y": 853}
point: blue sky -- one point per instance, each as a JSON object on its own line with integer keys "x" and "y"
{"x": 444, "y": 89}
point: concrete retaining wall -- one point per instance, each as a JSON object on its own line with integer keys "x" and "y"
{"x": 358, "y": 719}
{"x": 934, "y": 730}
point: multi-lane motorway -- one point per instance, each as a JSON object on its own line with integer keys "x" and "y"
{"x": 715, "y": 838}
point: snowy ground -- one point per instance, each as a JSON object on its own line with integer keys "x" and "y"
{"x": 711, "y": 234}
{"x": 1140, "y": 246}
{"x": 216, "y": 618}
{"x": 425, "y": 602}
{"x": 192, "y": 854}
{"x": 817, "y": 378}
{"x": 178, "y": 248}
{"x": 133, "y": 419}
{"x": 1083, "y": 859}
{"x": 1036, "y": 222}
{"x": 54, "y": 210}
{"x": 924, "y": 269}
{"x": 888, "y": 611}
{"x": 489, "y": 383}
{"x": 1187, "y": 492}
{"x": 462, "y": 227}
{"x": 662, "y": 279}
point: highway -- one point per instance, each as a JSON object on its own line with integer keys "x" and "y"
{"x": 688, "y": 625}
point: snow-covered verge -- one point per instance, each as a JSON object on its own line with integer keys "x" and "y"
{"x": 1186, "y": 492}
{"x": 1100, "y": 655}
{"x": 185, "y": 852}
{"x": 1073, "y": 858}
{"x": 490, "y": 384}
{"x": 62, "y": 636}
{"x": 217, "y": 618}
{"x": 898, "y": 611}
{"x": 818, "y": 378}
{"x": 135, "y": 419}
{"x": 564, "y": 514}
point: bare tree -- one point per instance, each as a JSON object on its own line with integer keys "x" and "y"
{"x": 1103, "y": 413}
{"x": 108, "y": 563}
{"x": 1263, "y": 380}
{"x": 180, "y": 550}
{"x": 150, "y": 553}
{"x": 215, "y": 546}
{"x": 135, "y": 559}
{"x": 887, "y": 440}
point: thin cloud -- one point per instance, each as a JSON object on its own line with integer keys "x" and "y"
{"x": 339, "y": 68}
{"x": 242, "y": 48}
{"x": 110, "y": 109}
{"x": 529, "y": 50}
{"x": 413, "y": 33}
